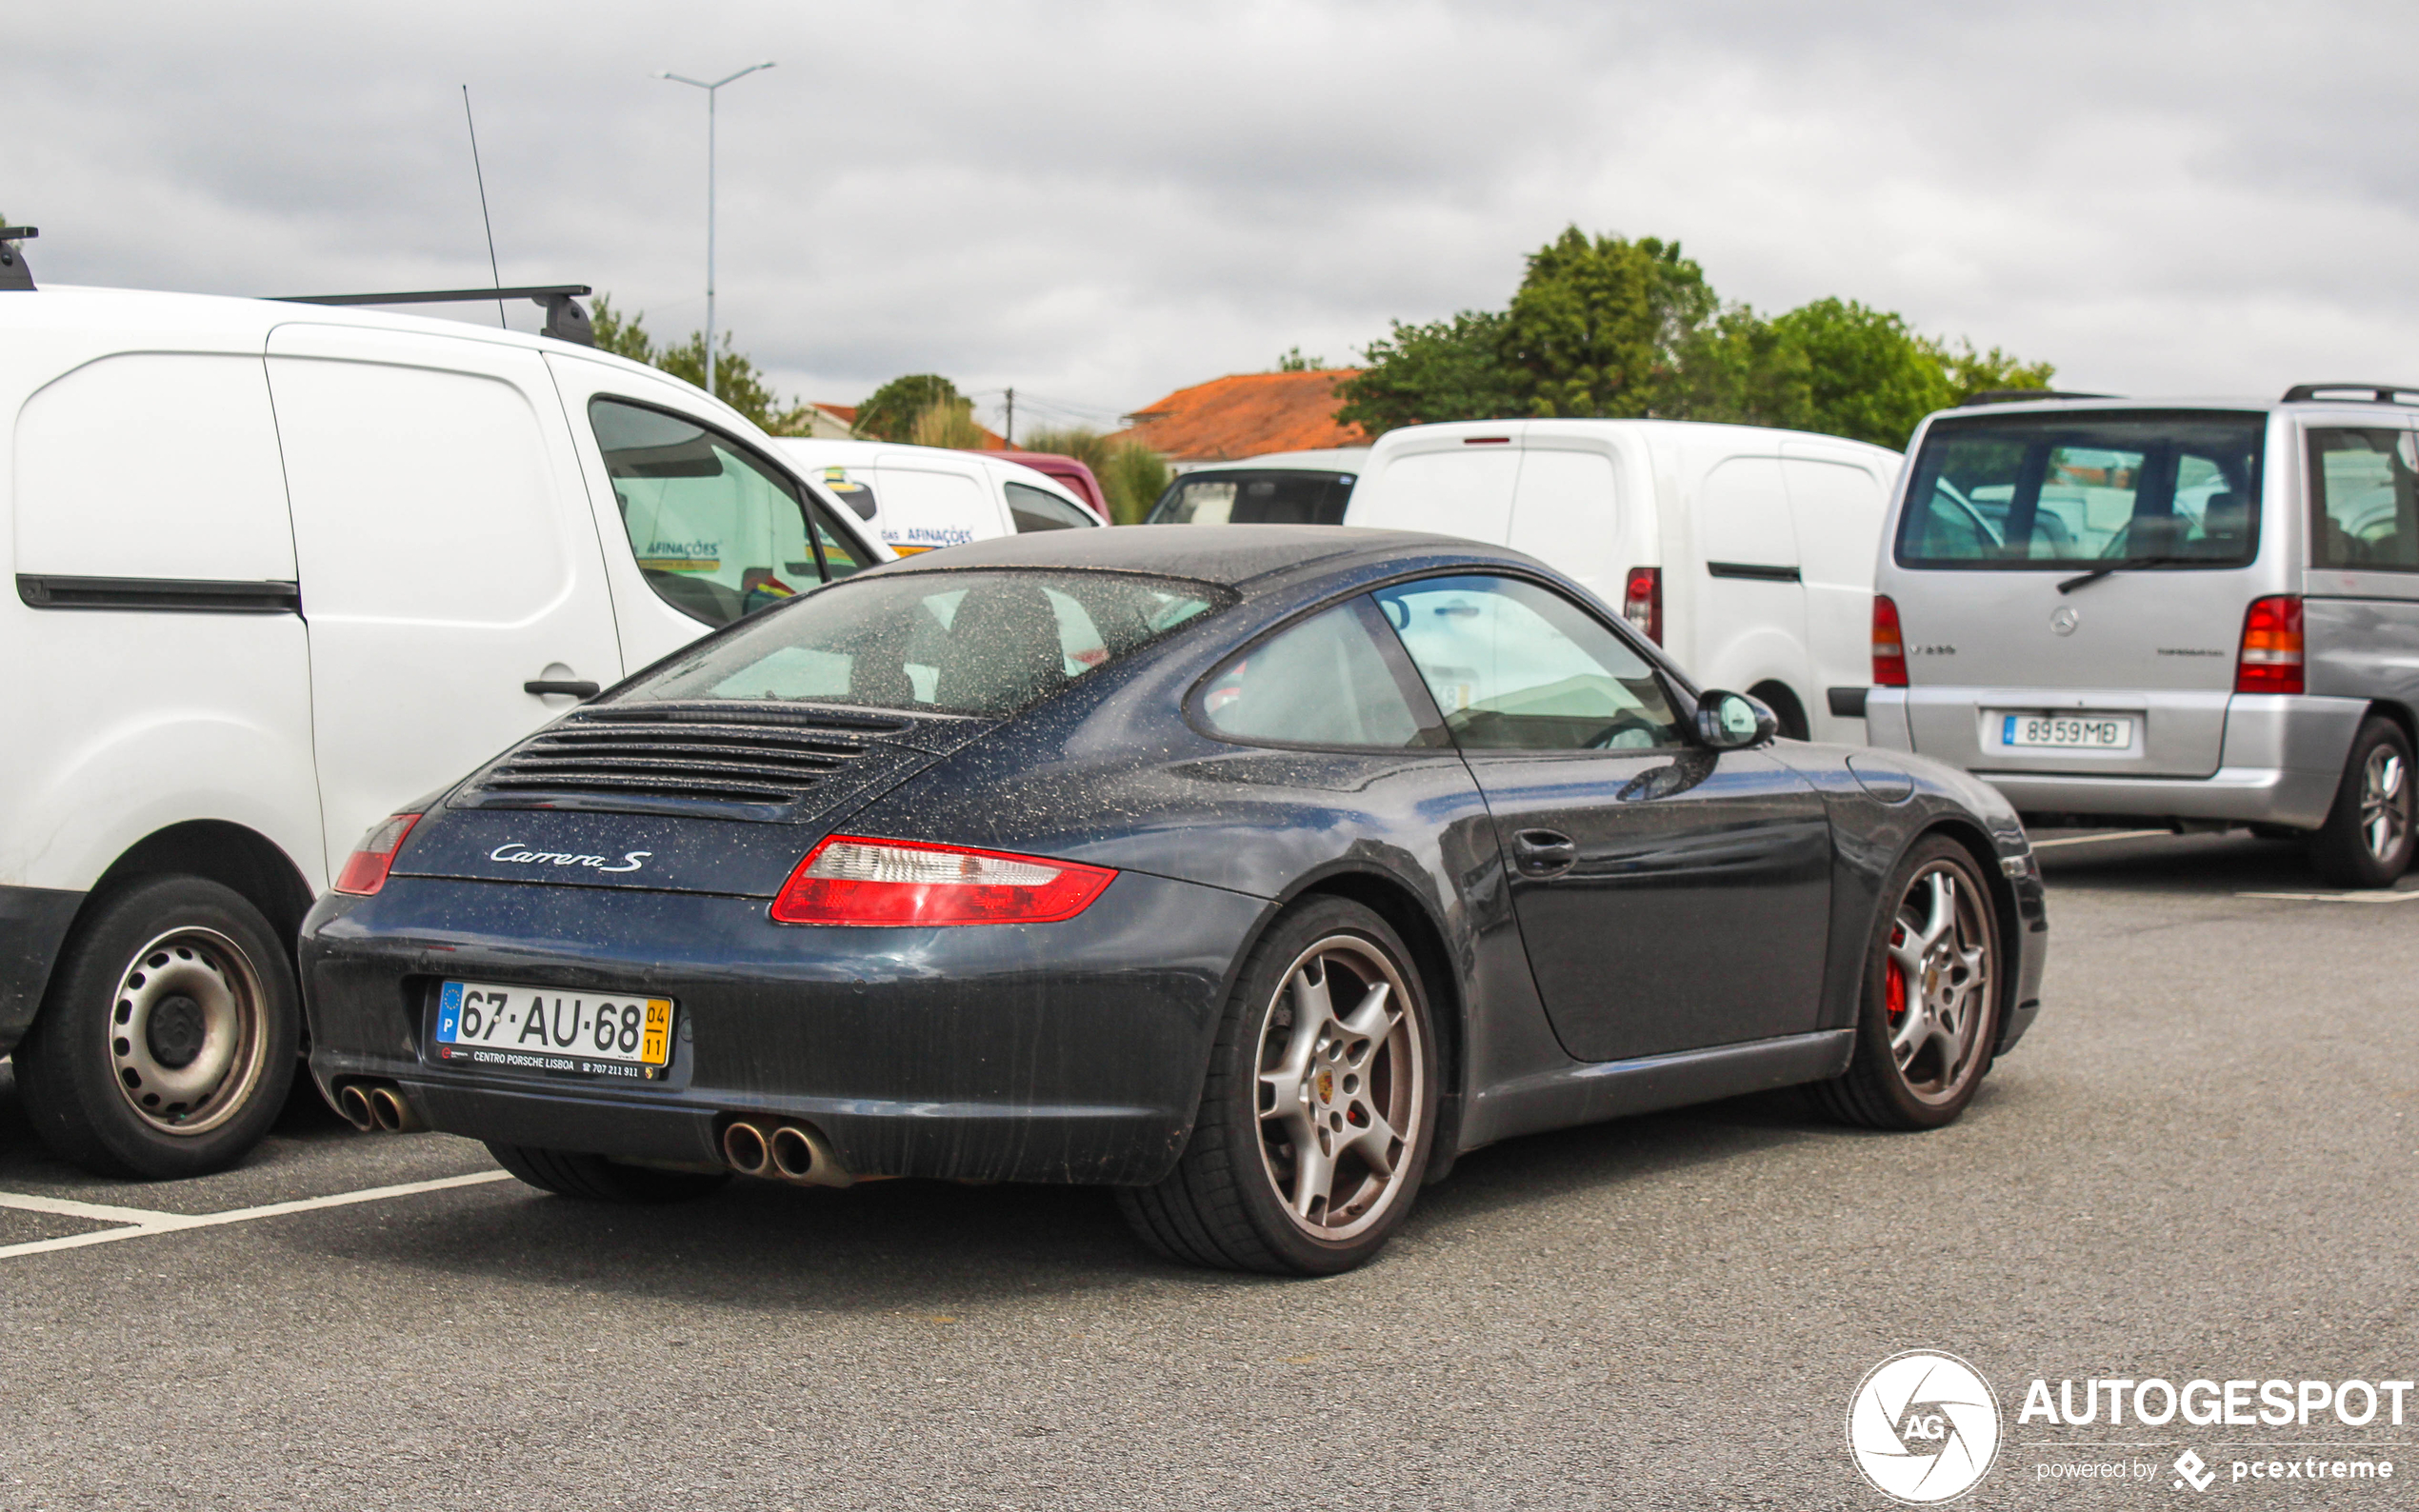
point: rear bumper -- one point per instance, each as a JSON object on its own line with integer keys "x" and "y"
{"x": 2282, "y": 757}
{"x": 33, "y": 924}
{"x": 1069, "y": 1052}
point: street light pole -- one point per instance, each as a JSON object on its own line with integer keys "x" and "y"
{"x": 709, "y": 89}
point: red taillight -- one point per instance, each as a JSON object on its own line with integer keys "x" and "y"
{"x": 2271, "y": 656}
{"x": 366, "y": 869}
{"x": 1890, "y": 645}
{"x": 852, "y": 880}
{"x": 1641, "y": 602}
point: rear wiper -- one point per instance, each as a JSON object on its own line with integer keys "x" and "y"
{"x": 2131, "y": 564}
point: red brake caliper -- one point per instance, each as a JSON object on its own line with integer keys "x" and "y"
{"x": 1895, "y": 981}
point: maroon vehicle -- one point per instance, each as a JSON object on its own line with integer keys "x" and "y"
{"x": 1078, "y": 478}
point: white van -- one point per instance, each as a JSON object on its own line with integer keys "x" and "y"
{"x": 1747, "y": 552}
{"x": 279, "y": 570}
{"x": 920, "y": 498}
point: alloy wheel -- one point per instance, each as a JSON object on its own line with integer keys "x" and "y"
{"x": 187, "y": 1030}
{"x": 1937, "y": 982}
{"x": 2385, "y": 801}
{"x": 1342, "y": 1087}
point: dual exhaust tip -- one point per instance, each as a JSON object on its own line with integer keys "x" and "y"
{"x": 377, "y": 1107}
{"x": 783, "y": 1151}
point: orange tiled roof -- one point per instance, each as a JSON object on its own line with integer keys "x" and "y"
{"x": 1246, "y": 415}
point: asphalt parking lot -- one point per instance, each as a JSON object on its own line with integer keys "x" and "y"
{"x": 2201, "y": 1164}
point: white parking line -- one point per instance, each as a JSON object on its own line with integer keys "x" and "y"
{"x": 2087, "y": 840}
{"x": 144, "y": 1221}
{"x": 2380, "y": 896}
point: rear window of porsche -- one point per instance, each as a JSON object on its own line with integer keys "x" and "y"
{"x": 964, "y": 643}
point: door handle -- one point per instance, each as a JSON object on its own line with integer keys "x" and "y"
{"x": 572, "y": 687}
{"x": 1544, "y": 853}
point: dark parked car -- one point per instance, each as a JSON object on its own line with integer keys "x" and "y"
{"x": 1256, "y": 873}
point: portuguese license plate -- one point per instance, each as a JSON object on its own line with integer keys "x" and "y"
{"x": 542, "y": 1029}
{"x": 2067, "y": 731}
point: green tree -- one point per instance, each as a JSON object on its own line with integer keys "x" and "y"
{"x": 1601, "y": 326}
{"x": 1604, "y": 326}
{"x": 1860, "y": 372}
{"x": 737, "y": 382}
{"x": 1293, "y": 361}
{"x": 891, "y": 413}
{"x": 1972, "y": 373}
{"x": 1451, "y": 369}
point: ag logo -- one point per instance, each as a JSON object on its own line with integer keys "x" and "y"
{"x": 2064, "y": 619}
{"x": 1924, "y": 1427}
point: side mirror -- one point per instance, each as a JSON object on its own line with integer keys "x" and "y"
{"x": 1734, "y": 722}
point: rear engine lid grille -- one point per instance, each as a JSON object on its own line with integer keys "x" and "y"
{"x": 744, "y": 761}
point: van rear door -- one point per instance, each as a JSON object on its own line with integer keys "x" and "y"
{"x": 2070, "y": 586}
{"x": 447, "y": 553}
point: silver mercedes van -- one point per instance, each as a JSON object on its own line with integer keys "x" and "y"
{"x": 2187, "y": 613}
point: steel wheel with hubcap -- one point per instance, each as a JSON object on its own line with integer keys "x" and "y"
{"x": 1925, "y": 1035}
{"x": 2367, "y": 839}
{"x": 165, "y": 1045}
{"x": 1317, "y": 1113}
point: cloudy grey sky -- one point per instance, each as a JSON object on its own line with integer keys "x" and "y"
{"x": 1100, "y": 202}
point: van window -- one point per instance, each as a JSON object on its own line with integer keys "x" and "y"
{"x": 1271, "y": 497}
{"x": 1033, "y": 509}
{"x": 2360, "y": 482}
{"x": 717, "y": 533}
{"x": 2155, "y": 489}
{"x": 1323, "y": 682}
{"x": 1516, "y": 666}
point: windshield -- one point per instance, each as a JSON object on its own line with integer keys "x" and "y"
{"x": 1255, "y": 498}
{"x": 963, "y": 643}
{"x": 2051, "y": 490}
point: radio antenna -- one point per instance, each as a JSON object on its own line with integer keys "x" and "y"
{"x": 493, "y": 271}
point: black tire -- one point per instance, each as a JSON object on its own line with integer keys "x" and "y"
{"x": 1226, "y": 1204}
{"x": 2373, "y": 804}
{"x": 593, "y": 1178}
{"x": 198, "y": 972}
{"x": 1932, "y": 1085}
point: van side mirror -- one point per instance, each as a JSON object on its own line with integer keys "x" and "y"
{"x": 1734, "y": 722}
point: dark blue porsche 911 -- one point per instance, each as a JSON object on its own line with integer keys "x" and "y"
{"x": 1254, "y": 872}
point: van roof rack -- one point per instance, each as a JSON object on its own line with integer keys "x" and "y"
{"x": 2366, "y": 394}
{"x": 2017, "y": 396}
{"x": 14, "y": 274}
{"x": 565, "y": 319}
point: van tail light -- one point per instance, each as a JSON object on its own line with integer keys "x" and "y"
{"x": 1641, "y": 602}
{"x": 366, "y": 869}
{"x": 1890, "y": 645}
{"x": 2271, "y": 656}
{"x": 850, "y": 879}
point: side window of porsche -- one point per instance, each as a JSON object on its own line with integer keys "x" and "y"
{"x": 1516, "y": 666}
{"x": 1325, "y": 680}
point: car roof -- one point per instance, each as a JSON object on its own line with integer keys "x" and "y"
{"x": 1235, "y": 555}
{"x": 2239, "y": 402}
